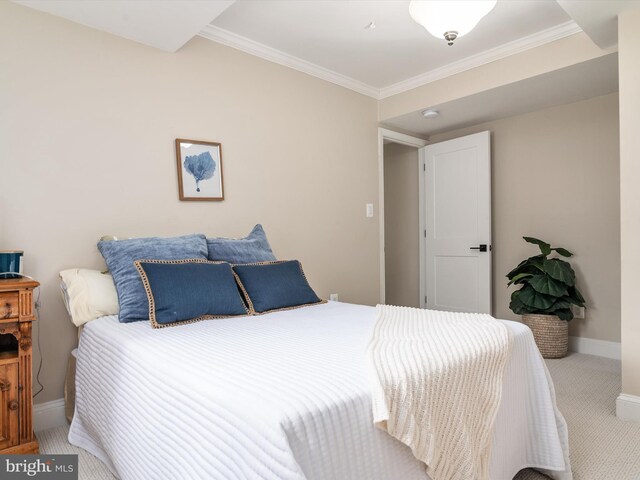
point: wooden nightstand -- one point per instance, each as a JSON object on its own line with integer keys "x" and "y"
{"x": 16, "y": 403}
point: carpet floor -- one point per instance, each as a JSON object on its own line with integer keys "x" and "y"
{"x": 602, "y": 447}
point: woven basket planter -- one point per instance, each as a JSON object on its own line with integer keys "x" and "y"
{"x": 550, "y": 333}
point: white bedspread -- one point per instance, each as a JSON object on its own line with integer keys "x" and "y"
{"x": 279, "y": 396}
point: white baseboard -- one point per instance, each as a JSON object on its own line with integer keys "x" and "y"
{"x": 628, "y": 407}
{"x": 49, "y": 415}
{"x": 591, "y": 346}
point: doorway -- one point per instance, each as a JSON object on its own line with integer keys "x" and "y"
{"x": 401, "y": 225}
{"x": 400, "y": 216}
{"x": 435, "y": 222}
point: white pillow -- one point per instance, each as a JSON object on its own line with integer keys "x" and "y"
{"x": 89, "y": 294}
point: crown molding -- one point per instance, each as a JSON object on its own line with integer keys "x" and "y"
{"x": 247, "y": 45}
{"x": 535, "y": 40}
{"x": 258, "y": 49}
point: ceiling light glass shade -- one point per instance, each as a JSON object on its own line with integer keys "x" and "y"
{"x": 440, "y": 17}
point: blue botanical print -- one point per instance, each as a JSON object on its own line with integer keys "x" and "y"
{"x": 201, "y": 166}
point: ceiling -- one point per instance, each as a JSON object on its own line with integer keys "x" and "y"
{"x": 328, "y": 39}
{"x": 166, "y": 24}
{"x": 332, "y": 34}
{"x": 571, "y": 84}
{"x": 598, "y": 19}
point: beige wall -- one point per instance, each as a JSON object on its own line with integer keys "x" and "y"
{"x": 629, "y": 69}
{"x": 556, "y": 177}
{"x": 87, "y": 124}
{"x": 402, "y": 262}
{"x": 529, "y": 63}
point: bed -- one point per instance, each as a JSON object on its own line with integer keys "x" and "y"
{"x": 279, "y": 396}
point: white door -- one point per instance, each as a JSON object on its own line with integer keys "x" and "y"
{"x": 458, "y": 224}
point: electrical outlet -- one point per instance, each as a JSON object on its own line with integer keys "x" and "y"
{"x": 578, "y": 312}
{"x": 333, "y": 297}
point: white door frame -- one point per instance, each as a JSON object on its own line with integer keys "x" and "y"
{"x": 397, "y": 137}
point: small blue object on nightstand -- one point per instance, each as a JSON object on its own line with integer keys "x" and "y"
{"x": 10, "y": 263}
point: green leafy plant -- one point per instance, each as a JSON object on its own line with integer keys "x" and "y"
{"x": 548, "y": 284}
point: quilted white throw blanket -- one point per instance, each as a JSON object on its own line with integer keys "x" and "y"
{"x": 437, "y": 385}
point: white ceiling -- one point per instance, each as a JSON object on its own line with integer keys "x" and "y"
{"x": 328, "y": 39}
{"x": 166, "y": 24}
{"x": 598, "y": 19}
{"x": 332, "y": 34}
{"x": 577, "y": 82}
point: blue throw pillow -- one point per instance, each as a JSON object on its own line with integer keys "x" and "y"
{"x": 120, "y": 255}
{"x": 186, "y": 291}
{"x": 253, "y": 248}
{"x": 275, "y": 286}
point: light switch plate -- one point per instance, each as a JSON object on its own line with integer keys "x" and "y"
{"x": 369, "y": 210}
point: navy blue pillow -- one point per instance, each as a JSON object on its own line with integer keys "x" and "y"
{"x": 275, "y": 286}
{"x": 186, "y": 291}
{"x": 253, "y": 248}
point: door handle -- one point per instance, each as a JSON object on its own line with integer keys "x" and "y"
{"x": 482, "y": 247}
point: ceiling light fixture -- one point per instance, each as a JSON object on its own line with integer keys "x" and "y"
{"x": 430, "y": 113}
{"x": 449, "y": 19}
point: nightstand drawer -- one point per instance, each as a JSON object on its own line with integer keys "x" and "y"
{"x": 9, "y": 305}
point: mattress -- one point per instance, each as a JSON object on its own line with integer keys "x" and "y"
{"x": 279, "y": 396}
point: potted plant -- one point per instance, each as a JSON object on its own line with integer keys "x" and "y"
{"x": 548, "y": 290}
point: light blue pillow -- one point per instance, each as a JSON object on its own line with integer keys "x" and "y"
{"x": 251, "y": 249}
{"x": 120, "y": 255}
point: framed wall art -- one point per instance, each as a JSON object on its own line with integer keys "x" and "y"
{"x": 199, "y": 170}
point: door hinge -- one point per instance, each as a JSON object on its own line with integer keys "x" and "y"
{"x": 425, "y": 299}
{"x": 424, "y": 167}
{"x": 425, "y": 233}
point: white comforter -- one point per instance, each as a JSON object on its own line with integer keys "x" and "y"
{"x": 279, "y": 396}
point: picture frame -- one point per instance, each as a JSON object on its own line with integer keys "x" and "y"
{"x": 200, "y": 176}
